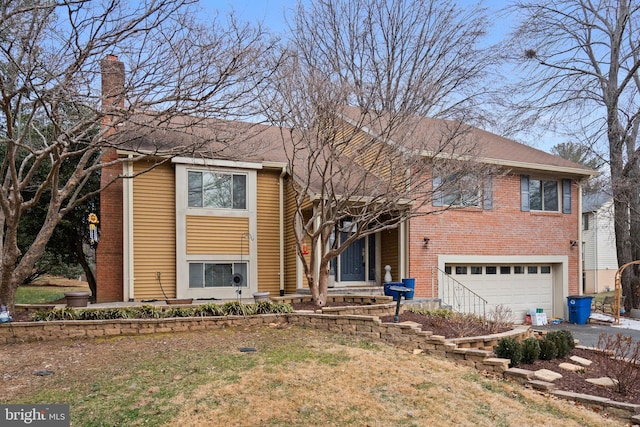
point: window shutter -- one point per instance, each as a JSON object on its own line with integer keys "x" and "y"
{"x": 566, "y": 196}
{"x": 487, "y": 201}
{"x": 524, "y": 193}
{"x": 437, "y": 192}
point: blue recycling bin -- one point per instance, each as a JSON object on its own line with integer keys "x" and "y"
{"x": 579, "y": 308}
{"x": 411, "y": 284}
{"x": 389, "y": 292}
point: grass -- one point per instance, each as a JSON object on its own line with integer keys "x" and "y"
{"x": 35, "y": 294}
{"x": 297, "y": 377}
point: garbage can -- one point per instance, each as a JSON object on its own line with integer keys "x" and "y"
{"x": 411, "y": 284}
{"x": 389, "y": 292}
{"x": 579, "y": 308}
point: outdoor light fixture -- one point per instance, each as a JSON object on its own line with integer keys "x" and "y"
{"x": 573, "y": 243}
{"x": 426, "y": 241}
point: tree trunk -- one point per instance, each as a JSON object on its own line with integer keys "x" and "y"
{"x": 77, "y": 248}
{"x": 8, "y": 288}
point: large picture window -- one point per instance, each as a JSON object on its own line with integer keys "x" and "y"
{"x": 217, "y": 190}
{"x": 215, "y": 275}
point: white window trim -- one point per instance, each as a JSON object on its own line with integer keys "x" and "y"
{"x": 183, "y": 210}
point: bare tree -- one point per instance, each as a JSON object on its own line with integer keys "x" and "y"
{"x": 360, "y": 78}
{"x": 582, "y": 58}
{"x": 53, "y": 114}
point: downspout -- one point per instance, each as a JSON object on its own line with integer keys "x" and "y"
{"x": 128, "y": 230}
{"x": 580, "y": 269}
{"x": 595, "y": 252}
{"x": 281, "y": 225}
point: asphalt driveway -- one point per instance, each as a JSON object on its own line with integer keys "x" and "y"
{"x": 588, "y": 334}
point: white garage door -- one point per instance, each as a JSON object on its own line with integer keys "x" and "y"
{"x": 520, "y": 287}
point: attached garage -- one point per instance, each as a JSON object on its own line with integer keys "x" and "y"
{"x": 520, "y": 283}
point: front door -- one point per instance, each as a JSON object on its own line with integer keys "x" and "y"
{"x": 352, "y": 262}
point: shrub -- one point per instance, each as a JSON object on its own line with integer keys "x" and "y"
{"x": 530, "y": 350}
{"x": 624, "y": 367}
{"x": 564, "y": 342}
{"x": 500, "y": 318}
{"x": 509, "y": 348}
{"x": 153, "y": 312}
{"x": 210, "y": 309}
{"x": 548, "y": 349}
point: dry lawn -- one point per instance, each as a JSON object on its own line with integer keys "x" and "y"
{"x": 296, "y": 377}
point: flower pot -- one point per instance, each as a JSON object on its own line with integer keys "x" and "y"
{"x": 77, "y": 299}
{"x": 261, "y": 296}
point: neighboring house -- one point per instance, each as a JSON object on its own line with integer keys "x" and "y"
{"x": 599, "y": 256}
{"x": 186, "y": 227}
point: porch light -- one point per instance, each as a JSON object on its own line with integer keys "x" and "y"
{"x": 573, "y": 243}
{"x": 426, "y": 241}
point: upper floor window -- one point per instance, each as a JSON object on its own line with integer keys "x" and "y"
{"x": 462, "y": 190}
{"x": 585, "y": 221}
{"x": 545, "y": 195}
{"x": 217, "y": 190}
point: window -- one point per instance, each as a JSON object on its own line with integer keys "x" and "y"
{"x": 544, "y": 195}
{"x": 532, "y": 269}
{"x": 505, "y": 269}
{"x": 545, "y": 269}
{"x": 585, "y": 221}
{"x": 217, "y": 190}
{"x": 462, "y": 190}
{"x": 461, "y": 269}
{"x": 210, "y": 275}
{"x": 476, "y": 269}
{"x": 490, "y": 270}
{"x": 447, "y": 269}
{"x": 518, "y": 269}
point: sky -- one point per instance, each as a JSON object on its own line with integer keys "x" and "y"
{"x": 271, "y": 13}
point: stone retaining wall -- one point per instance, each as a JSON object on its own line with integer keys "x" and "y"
{"x": 407, "y": 335}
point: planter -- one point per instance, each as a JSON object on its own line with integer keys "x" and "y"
{"x": 77, "y": 299}
{"x": 261, "y": 296}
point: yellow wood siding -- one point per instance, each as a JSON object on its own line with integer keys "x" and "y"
{"x": 154, "y": 232}
{"x": 268, "y": 234}
{"x": 217, "y": 235}
{"x": 289, "y": 239}
{"x": 389, "y": 253}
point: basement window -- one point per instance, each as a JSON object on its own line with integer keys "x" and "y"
{"x": 216, "y": 275}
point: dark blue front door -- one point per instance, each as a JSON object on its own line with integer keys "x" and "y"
{"x": 352, "y": 262}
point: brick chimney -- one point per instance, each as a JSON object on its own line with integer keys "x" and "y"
{"x": 109, "y": 253}
{"x": 112, "y": 82}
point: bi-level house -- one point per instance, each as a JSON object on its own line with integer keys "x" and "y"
{"x": 191, "y": 224}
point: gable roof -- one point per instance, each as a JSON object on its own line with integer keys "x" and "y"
{"x": 593, "y": 202}
{"x": 426, "y": 133}
{"x": 251, "y": 142}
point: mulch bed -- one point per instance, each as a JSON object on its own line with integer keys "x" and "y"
{"x": 575, "y": 381}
